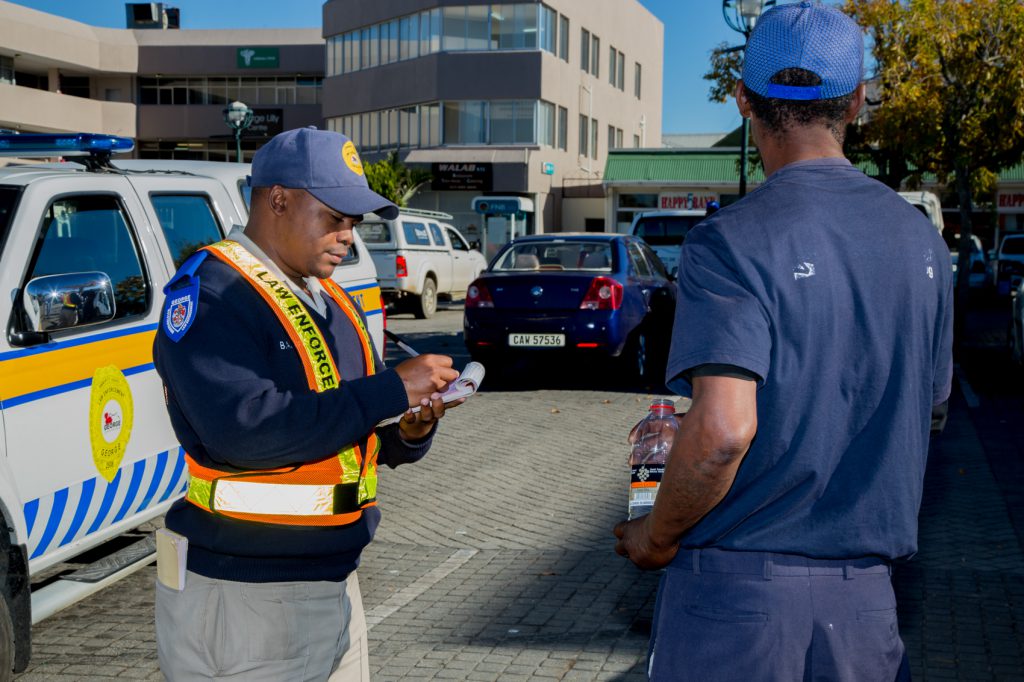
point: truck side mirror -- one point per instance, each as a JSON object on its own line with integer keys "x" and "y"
{"x": 475, "y": 245}
{"x": 78, "y": 299}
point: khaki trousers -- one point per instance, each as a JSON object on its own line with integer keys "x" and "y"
{"x": 226, "y": 630}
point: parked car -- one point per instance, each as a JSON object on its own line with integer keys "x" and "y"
{"x": 978, "y": 277}
{"x": 420, "y": 257}
{"x": 1008, "y": 269}
{"x": 88, "y": 449}
{"x": 602, "y": 295}
{"x": 664, "y": 232}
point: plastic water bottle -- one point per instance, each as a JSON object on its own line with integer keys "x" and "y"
{"x": 650, "y": 447}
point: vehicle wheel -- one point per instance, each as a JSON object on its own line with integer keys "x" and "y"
{"x": 635, "y": 357}
{"x": 6, "y": 642}
{"x": 427, "y": 305}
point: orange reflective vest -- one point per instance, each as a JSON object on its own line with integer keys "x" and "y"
{"x": 329, "y": 492}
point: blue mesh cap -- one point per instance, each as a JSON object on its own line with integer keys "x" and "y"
{"x": 809, "y": 36}
{"x": 325, "y": 164}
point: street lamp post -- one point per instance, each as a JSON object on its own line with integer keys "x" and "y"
{"x": 741, "y": 16}
{"x": 238, "y": 117}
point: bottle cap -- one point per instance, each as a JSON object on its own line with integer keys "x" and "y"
{"x": 663, "y": 406}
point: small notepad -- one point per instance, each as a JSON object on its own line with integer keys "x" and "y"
{"x": 171, "y": 559}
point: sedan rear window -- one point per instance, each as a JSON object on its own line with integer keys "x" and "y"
{"x": 563, "y": 255}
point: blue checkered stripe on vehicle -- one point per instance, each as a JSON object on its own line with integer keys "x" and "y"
{"x": 79, "y": 510}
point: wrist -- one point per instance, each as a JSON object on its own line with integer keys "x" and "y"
{"x": 660, "y": 538}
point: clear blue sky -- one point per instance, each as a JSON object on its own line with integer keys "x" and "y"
{"x": 692, "y": 29}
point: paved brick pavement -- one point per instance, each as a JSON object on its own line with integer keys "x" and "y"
{"x": 494, "y": 561}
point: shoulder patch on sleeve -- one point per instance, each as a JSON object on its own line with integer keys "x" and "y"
{"x": 182, "y": 298}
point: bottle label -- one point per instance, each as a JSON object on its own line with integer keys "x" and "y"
{"x": 644, "y": 480}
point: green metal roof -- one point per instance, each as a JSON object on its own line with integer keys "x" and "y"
{"x": 1015, "y": 174}
{"x": 706, "y": 167}
{"x": 674, "y": 165}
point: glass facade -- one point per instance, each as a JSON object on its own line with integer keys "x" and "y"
{"x": 449, "y": 29}
{"x": 262, "y": 90}
{"x": 463, "y": 122}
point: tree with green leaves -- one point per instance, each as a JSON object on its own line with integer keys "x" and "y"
{"x": 950, "y": 79}
{"x": 393, "y": 180}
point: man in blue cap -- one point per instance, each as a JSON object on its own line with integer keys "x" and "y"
{"x": 814, "y": 334}
{"x": 275, "y": 391}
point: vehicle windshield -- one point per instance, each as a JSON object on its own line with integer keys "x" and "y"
{"x": 556, "y": 255}
{"x": 665, "y": 230}
{"x": 8, "y": 202}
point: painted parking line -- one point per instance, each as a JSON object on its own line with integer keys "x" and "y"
{"x": 407, "y": 594}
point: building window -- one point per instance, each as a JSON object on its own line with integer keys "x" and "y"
{"x": 263, "y": 90}
{"x": 593, "y": 138}
{"x": 548, "y": 29}
{"x": 563, "y": 128}
{"x": 584, "y": 135}
{"x": 637, "y": 73}
{"x": 612, "y": 64}
{"x": 465, "y": 122}
{"x": 636, "y": 142}
{"x": 6, "y": 70}
{"x": 595, "y": 57}
{"x": 546, "y": 124}
{"x": 514, "y": 27}
{"x": 563, "y": 37}
{"x": 477, "y": 35}
{"x": 584, "y": 49}
{"x": 618, "y": 138}
{"x": 621, "y": 64}
{"x": 611, "y": 137}
{"x": 511, "y": 122}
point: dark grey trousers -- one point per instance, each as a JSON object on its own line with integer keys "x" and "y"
{"x": 752, "y": 616}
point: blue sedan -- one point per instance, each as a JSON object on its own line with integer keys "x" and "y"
{"x": 600, "y": 294}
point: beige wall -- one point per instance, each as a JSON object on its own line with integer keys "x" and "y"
{"x": 41, "y": 111}
{"x": 39, "y": 36}
{"x": 576, "y": 211}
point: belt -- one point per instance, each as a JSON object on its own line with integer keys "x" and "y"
{"x": 772, "y": 564}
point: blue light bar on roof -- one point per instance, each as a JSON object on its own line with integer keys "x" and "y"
{"x": 34, "y": 145}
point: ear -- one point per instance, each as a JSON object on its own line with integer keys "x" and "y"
{"x": 277, "y": 199}
{"x": 742, "y": 103}
{"x": 856, "y": 103}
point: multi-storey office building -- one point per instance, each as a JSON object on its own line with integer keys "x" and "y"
{"x": 166, "y": 88}
{"x": 520, "y": 99}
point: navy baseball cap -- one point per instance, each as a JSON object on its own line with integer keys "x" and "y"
{"x": 809, "y": 36}
{"x": 325, "y": 164}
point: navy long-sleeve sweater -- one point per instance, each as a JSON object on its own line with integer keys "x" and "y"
{"x": 238, "y": 400}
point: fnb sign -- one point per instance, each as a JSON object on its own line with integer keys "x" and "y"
{"x": 684, "y": 200}
{"x": 1011, "y": 202}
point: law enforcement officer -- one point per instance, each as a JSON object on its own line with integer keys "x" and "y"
{"x": 274, "y": 390}
{"x": 815, "y": 314}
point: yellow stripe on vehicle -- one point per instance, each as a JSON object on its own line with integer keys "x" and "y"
{"x": 33, "y": 372}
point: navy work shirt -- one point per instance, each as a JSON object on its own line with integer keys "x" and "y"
{"x": 238, "y": 399}
{"x": 837, "y": 293}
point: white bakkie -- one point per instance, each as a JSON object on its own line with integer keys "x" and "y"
{"x": 419, "y": 256}
{"x": 88, "y": 450}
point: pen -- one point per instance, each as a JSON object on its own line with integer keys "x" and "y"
{"x": 400, "y": 342}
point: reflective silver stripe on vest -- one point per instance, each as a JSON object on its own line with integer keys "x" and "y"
{"x": 273, "y": 498}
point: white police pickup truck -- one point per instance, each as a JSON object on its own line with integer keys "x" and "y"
{"x": 86, "y": 448}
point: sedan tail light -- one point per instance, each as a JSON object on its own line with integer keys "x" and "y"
{"x": 401, "y": 269}
{"x": 604, "y": 294}
{"x": 477, "y": 296}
